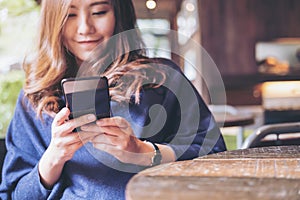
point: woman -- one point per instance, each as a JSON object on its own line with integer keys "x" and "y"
{"x": 47, "y": 160}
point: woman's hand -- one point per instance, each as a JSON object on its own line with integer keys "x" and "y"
{"x": 64, "y": 143}
{"x": 115, "y": 136}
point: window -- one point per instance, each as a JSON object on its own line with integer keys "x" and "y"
{"x": 155, "y": 36}
{"x": 18, "y": 21}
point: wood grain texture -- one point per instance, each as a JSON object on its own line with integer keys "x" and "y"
{"x": 216, "y": 188}
{"x": 256, "y": 168}
{"x": 257, "y": 153}
{"x": 258, "y": 173}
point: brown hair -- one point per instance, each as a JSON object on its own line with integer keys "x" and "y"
{"x": 53, "y": 62}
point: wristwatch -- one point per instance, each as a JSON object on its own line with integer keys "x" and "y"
{"x": 156, "y": 158}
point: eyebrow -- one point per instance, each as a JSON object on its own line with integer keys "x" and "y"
{"x": 99, "y": 3}
{"x": 95, "y": 4}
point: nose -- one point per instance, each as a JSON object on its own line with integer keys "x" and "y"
{"x": 85, "y": 26}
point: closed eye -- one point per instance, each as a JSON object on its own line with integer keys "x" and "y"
{"x": 72, "y": 15}
{"x": 100, "y": 13}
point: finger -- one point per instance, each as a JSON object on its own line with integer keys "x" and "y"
{"x": 66, "y": 140}
{"x": 113, "y": 131}
{"x": 88, "y": 136}
{"x": 61, "y": 117}
{"x": 70, "y": 125}
{"x": 104, "y": 139}
{"x": 117, "y": 141}
{"x": 120, "y": 155}
{"x": 105, "y": 147}
{"x": 92, "y": 127}
{"x": 82, "y": 120}
{"x": 113, "y": 121}
{"x": 71, "y": 149}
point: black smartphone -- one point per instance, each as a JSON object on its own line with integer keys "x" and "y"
{"x": 87, "y": 95}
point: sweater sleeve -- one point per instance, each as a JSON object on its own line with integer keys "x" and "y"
{"x": 197, "y": 133}
{"x": 190, "y": 130}
{"x": 26, "y": 141}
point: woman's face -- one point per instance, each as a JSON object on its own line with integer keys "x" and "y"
{"x": 89, "y": 23}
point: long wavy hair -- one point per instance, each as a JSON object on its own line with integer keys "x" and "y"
{"x": 122, "y": 57}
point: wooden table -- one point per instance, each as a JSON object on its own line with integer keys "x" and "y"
{"x": 258, "y": 173}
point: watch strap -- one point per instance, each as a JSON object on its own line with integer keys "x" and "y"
{"x": 157, "y": 157}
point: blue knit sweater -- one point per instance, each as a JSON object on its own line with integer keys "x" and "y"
{"x": 161, "y": 116}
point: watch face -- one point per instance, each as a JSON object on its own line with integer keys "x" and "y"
{"x": 157, "y": 158}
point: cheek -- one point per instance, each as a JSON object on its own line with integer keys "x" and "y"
{"x": 112, "y": 26}
{"x": 109, "y": 27}
{"x": 66, "y": 34}
{"x": 64, "y": 39}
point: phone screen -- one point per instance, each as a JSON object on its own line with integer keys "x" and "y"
{"x": 87, "y": 95}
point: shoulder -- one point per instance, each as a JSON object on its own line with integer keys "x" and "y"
{"x": 166, "y": 62}
{"x": 171, "y": 70}
{"x": 25, "y": 110}
{"x": 23, "y": 102}
{"x": 25, "y": 122}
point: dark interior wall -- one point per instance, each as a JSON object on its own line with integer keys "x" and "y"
{"x": 231, "y": 28}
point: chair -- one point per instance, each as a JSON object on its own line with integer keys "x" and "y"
{"x": 2, "y": 154}
{"x": 274, "y": 135}
{"x": 229, "y": 116}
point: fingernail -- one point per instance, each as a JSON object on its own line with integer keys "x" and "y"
{"x": 64, "y": 110}
{"x": 91, "y": 117}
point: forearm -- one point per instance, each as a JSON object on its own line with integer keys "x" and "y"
{"x": 49, "y": 169}
{"x": 168, "y": 154}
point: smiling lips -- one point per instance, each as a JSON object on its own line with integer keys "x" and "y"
{"x": 89, "y": 43}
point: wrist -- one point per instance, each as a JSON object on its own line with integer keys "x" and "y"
{"x": 156, "y": 156}
{"x": 49, "y": 169}
{"x": 53, "y": 157}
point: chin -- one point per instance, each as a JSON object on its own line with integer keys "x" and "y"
{"x": 81, "y": 59}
